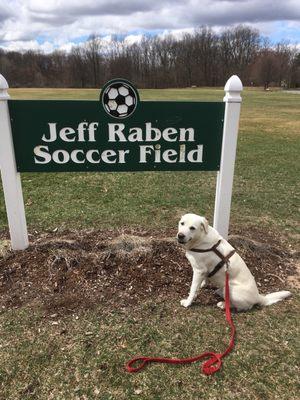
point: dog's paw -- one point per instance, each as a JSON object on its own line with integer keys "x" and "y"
{"x": 203, "y": 284}
{"x": 221, "y": 305}
{"x": 185, "y": 303}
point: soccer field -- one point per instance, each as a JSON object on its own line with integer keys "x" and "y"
{"x": 103, "y": 277}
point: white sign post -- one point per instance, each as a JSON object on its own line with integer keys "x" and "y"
{"x": 11, "y": 180}
{"x": 233, "y": 89}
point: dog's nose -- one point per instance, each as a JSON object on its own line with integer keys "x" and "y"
{"x": 181, "y": 236}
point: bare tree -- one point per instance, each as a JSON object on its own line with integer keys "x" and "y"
{"x": 78, "y": 66}
{"x": 238, "y": 50}
{"x": 93, "y": 56}
{"x": 200, "y": 58}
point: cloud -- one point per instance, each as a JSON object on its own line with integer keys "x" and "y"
{"x": 6, "y": 12}
{"x": 163, "y": 14}
{"x": 175, "y": 33}
{"x": 18, "y": 45}
{"x": 62, "y": 22}
{"x": 228, "y": 13}
{"x": 131, "y": 39}
{"x": 88, "y": 7}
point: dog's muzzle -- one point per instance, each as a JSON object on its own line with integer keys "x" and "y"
{"x": 181, "y": 238}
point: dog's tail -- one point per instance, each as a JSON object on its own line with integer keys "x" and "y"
{"x": 272, "y": 298}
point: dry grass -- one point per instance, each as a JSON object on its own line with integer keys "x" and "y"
{"x": 4, "y": 247}
{"x": 128, "y": 246}
{"x": 82, "y": 356}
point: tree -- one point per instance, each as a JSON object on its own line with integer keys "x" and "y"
{"x": 202, "y": 57}
{"x": 93, "y": 56}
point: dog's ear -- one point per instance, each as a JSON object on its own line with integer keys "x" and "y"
{"x": 204, "y": 225}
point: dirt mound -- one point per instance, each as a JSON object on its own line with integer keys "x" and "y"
{"x": 63, "y": 272}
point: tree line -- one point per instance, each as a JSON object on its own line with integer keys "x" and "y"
{"x": 200, "y": 58}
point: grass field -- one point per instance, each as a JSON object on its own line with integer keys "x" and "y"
{"x": 265, "y": 186}
{"x": 81, "y": 355}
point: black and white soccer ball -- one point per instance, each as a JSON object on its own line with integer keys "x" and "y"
{"x": 119, "y": 99}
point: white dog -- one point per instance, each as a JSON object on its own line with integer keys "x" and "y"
{"x": 208, "y": 254}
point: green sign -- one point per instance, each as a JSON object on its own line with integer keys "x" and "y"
{"x": 118, "y": 133}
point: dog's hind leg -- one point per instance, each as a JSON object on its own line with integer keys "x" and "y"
{"x": 239, "y": 299}
{"x": 242, "y": 299}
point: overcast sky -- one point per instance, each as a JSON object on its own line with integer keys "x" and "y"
{"x": 59, "y": 24}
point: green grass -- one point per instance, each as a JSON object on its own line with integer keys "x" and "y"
{"x": 82, "y": 356}
{"x": 266, "y": 185}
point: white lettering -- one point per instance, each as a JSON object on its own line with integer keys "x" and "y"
{"x": 44, "y": 156}
{"x": 122, "y": 154}
{"x": 81, "y": 129}
{"x": 89, "y": 156}
{"x": 168, "y": 132}
{"x": 143, "y": 151}
{"x": 152, "y": 131}
{"x": 169, "y": 153}
{"x": 61, "y": 156}
{"x": 74, "y": 157}
{"x": 195, "y": 156}
{"x": 92, "y": 128}
{"x": 157, "y": 153}
{"x": 116, "y": 129}
{"x": 182, "y": 135}
{"x": 107, "y": 154}
{"x": 64, "y": 134}
{"x": 52, "y": 131}
{"x": 182, "y": 151}
{"x": 135, "y": 135}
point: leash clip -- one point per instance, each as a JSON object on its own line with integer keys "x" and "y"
{"x": 227, "y": 265}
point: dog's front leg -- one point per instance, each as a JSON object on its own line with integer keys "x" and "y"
{"x": 198, "y": 278}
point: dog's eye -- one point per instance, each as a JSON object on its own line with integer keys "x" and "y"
{"x": 181, "y": 223}
{"x": 192, "y": 228}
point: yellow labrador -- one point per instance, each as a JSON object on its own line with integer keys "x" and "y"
{"x": 208, "y": 254}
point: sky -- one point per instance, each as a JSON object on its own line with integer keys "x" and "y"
{"x": 48, "y": 25}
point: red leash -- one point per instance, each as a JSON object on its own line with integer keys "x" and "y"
{"x": 210, "y": 366}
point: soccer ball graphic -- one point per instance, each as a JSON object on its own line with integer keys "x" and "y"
{"x": 119, "y": 99}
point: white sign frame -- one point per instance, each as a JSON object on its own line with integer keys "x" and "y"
{"x": 11, "y": 181}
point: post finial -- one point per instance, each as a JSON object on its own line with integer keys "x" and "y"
{"x": 233, "y": 89}
{"x": 3, "y": 88}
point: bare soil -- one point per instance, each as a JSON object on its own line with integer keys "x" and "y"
{"x": 66, "y": 271}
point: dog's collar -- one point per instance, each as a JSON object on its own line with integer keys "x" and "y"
{"x": 224, "y": 259}
{"x": 213, "y": 248}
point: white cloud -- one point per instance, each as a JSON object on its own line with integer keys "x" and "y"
{"x": 67, "y": 47}
{"x": 131, "y": 39}
{"x": 176, "y": 33}
{"x": 61, "y": 23}
{"x": 20, "y": 45}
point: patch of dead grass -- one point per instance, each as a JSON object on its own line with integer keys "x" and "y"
{"x": 294, "y": 280}
{"x": 4, "y": 247}
{"x": 80, "y": 269}
{"x": 128, "y": 246}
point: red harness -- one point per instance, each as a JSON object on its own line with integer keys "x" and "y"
{"x": 214, "y": 360}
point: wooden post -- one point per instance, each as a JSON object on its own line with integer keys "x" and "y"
{"x": 10, "y": 177}
{"x": 233, "y": 89}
